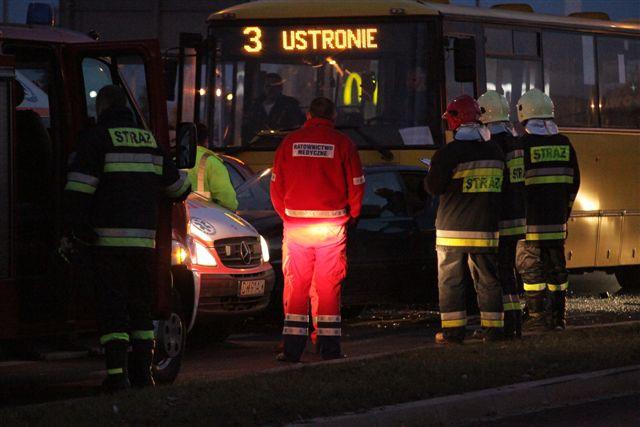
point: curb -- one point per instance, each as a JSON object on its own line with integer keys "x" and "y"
{"x": 495, "y": 403}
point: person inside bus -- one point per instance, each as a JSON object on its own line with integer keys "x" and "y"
{"x": 273, "y": 110}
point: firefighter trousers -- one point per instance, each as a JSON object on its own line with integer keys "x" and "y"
{"x": 509, "y": 282}
{"x": 451, "y": 289}
{"x": 314, "y": 254}
{"x": 123, "y": 286}
{"x": 544, "y": 273}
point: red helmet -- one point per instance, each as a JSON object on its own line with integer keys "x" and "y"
{"x": 462, "y": 109}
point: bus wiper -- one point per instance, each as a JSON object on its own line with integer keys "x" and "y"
{"x": 269, "y": 133}
{"x": 373, "y": 143}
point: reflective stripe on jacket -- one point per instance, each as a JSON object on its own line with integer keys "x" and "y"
{"x": 468, "y": 176}
{"x": 210, "y": 178}
{"x": 552, "y": 180}
{"x": 317, "y": 175}
{"x": 115, "y": 181}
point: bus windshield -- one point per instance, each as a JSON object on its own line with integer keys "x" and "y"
{"x": 380, "y": 76}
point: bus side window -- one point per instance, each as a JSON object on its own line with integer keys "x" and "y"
{"x": 513, "y": 63}
{"x": 618, "y": 71}
{"x": 459, "y": 56}
{"x": 5, "y": 180}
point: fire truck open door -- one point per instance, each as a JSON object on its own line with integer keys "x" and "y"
{"x": 137, "y": 66}
{"x": 8, "y": 295}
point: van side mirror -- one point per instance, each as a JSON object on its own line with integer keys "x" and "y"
{"x": 186, "y": 145}
{"x": 464, "y": 59}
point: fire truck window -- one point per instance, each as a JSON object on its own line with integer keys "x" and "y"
{"x": 5, "y": 189}
{"x": 96, "y": 74}
{"x": 383, "y": 196}
{"x": 570, "y": 80}
{"x": 619, "y": 80}
{"x": 132, "y": 72}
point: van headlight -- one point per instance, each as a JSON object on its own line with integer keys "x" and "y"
{"x": 201, "y": 255}
{"x": 265, "y": 249}
{"x": 179, "y": 253}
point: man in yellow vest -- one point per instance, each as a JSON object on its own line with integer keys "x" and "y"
{"x": 209, "y": 177}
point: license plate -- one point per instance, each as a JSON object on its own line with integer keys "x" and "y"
{"x": 251, "y": 288}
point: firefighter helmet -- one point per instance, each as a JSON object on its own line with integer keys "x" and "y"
{"x": 462, "y": 109}
{"x": 535, "y": 104}
{"x": 493, "y": 107}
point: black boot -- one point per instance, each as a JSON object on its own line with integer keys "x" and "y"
{"x": 558, "y": 310}
{"x": 537, "y": 320}
{"x": 294, "y": 346}
{"x": 116, "y": 360}
{"x": 330, "y": 347}
{"x": 510, "y": 324}
{"x": 141, "y": 368}
{"x": 518, "y": 317}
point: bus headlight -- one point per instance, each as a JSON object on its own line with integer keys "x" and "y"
{"x": 265, "y": 249}
{"x": 201, "y": 255}
{"x": 179, "y": 253}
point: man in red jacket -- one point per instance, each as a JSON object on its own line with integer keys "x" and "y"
{"x": 317, "y": 186}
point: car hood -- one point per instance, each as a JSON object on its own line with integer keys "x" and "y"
{"x": 217, "y": 221}
{"x": 268, "y": 223}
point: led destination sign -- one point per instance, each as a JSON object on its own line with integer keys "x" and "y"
{"x": 311, "y": 39}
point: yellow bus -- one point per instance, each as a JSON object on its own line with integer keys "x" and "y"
{"x": 390, "y": 66}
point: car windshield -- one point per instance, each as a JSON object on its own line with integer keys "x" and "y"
{"x": 254, "y": 195}
{"x": 381, "y": 77}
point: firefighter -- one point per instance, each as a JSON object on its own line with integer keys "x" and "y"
{"x": 210, "y": 176}
{"x": 551, "y": 182}
{"x": 495, "y": 115}
{"x": 116, "y": 179}
{"x": 317, "y": 186}
{"x": 467, "y": 173}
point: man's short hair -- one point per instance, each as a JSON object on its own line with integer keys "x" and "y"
{"x": 322, "y": 108}
{"x": 109, "y": 97}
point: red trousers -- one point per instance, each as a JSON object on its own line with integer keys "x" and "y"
{"x": 314, "y": 265}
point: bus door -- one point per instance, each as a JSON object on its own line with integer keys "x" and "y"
{"x": 136, "y": 66}
{"x": 8, "y": 297}
{"x": 191, "y": 92}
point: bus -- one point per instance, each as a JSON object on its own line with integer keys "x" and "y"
{"x": 49, "y": 81}
{"x": 390, "y": 67}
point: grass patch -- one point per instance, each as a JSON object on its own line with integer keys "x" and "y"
{"x": 331, "y": 389}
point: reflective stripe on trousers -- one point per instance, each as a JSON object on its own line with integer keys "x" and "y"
{"x": 126, "y": 237}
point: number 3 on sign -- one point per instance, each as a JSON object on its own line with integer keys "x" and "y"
{"x": 255, "y": 44}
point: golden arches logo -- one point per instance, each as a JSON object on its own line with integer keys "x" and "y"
{"x": 347, "y": 93}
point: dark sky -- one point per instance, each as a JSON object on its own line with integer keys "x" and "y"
{"x": 617, "y": 9}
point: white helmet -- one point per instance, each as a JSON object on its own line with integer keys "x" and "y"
{"x": 494, "y": 107}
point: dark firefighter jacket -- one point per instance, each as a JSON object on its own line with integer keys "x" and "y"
{"x": 468, "y": 176}
{"x": 116, "y": 180}
{"x": 551, "y": 182}
{"x": 512, "y": 217}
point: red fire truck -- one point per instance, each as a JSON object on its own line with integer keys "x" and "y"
{"x": 60, "y": 73}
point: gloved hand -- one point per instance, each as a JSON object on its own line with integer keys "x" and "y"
{"x": 73, "y": 249}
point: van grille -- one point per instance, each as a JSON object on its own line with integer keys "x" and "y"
{"x": 233, "y": 255}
